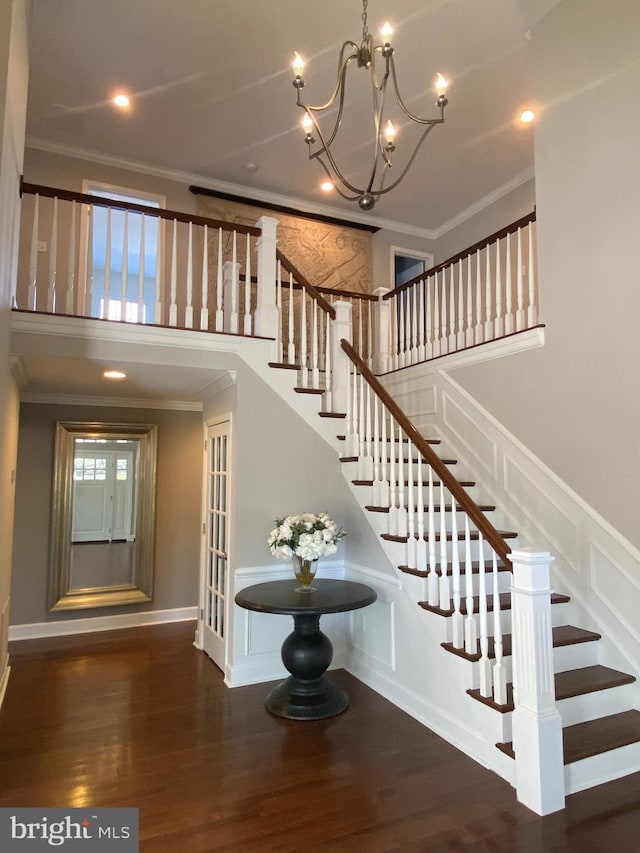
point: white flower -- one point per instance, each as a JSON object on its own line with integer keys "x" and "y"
{"x": 307, "y": 535}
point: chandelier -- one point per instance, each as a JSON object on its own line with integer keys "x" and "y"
{"x": 379, "y": 61}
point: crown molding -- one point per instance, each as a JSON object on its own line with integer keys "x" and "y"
{"x": 115, "y": 402}
{"x": 18, "y": 370}
{"x": 219, "y": 385}
{"x": 188, "y": 178}
{"x": 484, "y": 202}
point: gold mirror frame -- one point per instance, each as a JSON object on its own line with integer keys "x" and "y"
{"x": 61, "y": 595}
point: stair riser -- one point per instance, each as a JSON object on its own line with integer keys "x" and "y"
{"x": 399, "y": 551}
{"x": 602, "y": 768}
{"x": 601, "y": 703}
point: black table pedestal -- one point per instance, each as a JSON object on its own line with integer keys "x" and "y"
{"x": 307, "y": 694}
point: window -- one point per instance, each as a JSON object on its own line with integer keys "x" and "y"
{"x": 114, "y": 294}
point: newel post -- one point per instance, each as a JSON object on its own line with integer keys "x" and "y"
{"x": 537, "y": 725}
{"x": 341, "y": 328}
{"x": 382, "y": 332}
{"x": 266, "y": 318}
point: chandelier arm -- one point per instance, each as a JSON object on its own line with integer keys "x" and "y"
{"x": 378, "y": 110}
{"x": 406, "y": 110}
{"x": 374, "y": 76}
{"x": 426, "y": 132}
{"x": 342, "y": 66}
{"x": 331, "y": 177}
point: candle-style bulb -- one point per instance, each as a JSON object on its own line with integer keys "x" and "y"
{"x": 441, "y": 84}
{"x": 307, "y": 124}
{"x": 386, "y": 31}
{"x": 298, "y": 65}
{"x": 389, "y": 133}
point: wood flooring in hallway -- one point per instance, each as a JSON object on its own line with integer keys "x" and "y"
{"x": 141, "y": 718}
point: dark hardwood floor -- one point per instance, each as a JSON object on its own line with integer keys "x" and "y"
{"x": 141, "y": 718}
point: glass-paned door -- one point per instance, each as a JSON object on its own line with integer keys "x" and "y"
{"x": 215, "y": 556}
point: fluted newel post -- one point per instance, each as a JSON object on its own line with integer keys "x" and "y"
{"x": 266, "y": 317}
{"x": 382, "y": 332}
{"x": 341, "y": 328}
{"x": 537, "y": 725}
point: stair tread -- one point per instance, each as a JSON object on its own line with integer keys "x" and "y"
{"x": 447, "y": 508}
{"x": 573, "y": 682}
{"x": 473, "y": 534}
{"x": 332, "y": 414}
{"x": 475, "y": 568}
{"x": 505, "y": 604}
{"x": 436, "y": 483}
{"x": 300, "y": 390}
{"x": 593, "y": 737}
{"x": 562, "y": 635}
{"x": 283, "y": 365}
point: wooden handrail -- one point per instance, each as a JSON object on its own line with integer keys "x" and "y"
{"x": 464, "y": 502}
{"x": 313, "y": 292}
{"x": 159, "y": 212}
{"x": 460, "y": 256}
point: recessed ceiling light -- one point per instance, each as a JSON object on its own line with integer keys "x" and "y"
{"x": 121, "y": 100}
{"x": 251, "y": 167}
{"x": 527, "y": 116}
{"x": 114, "y": 374}
{"x": 326, "y": 186}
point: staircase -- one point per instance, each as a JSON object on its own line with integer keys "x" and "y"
{"x": 600, "y": 726}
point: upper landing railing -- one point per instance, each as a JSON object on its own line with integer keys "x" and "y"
{"x": 484, "y": 293}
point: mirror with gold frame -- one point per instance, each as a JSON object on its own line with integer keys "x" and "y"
{"x": 103, "y": 515}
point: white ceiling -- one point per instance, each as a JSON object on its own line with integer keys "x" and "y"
{"x": 211, "y": 86}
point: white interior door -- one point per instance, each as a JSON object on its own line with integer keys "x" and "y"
{"x": 215, "y": 569}
{"x": 103, "y": 495}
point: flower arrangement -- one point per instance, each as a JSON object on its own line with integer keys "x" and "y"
{"x": 307, "y": 536}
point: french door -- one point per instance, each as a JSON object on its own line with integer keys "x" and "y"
{"x": 215, "y": 569}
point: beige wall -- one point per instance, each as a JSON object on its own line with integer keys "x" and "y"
{"x": 13, "y": 98}
{"x": 179, "y": 474}
{"x": 575, "y": 402}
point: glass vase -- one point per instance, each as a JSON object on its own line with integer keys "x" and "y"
{"x": 305, "y": 571}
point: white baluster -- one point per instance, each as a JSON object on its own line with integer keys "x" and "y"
{"x": 247, "y": 289}
{"x": 422, "y": 350}
{"x": 188, "y": 314}
{"x": 414, "y": 324}
{"x": 53, "y": 255}
{"x": 488, "y": 291}
{"x": 233, "y": 319}
{"x": 437, "y": 349}
{"x": 470, "y": 632}
{"x": 461, "y": 326}
{"x": 469, "y": 338}
{"x": 279, "y": 338}
{"x": 354, "y": 437}
{"x": 452, "y": 310}
{"x": 70, "y": 307}
{"x": 428, "y": 311}
{"x": 499, "y": 672}
{"x": 458, "y": 619}
{"x": 509, "y": 325}
{"x": 361, "y": 430}
{"x": 315, "y": 368}
{"x": 304, "y": 365}
{"x": 445, "y": 581}
{"x": 328, "y": 396}
{"x": 219, "y": 287}
{"x": 484, "y": 663}
{"x": 499, "y": 314}
{"x": 141, "y": 271}
{"x": 432, "y": 583}
{"x": 411, "y": 520}
{"x": 421, "y": 545}
{"x": 32, "y": 298}
{"x": 369, "y": 335}
{"x": 348, "y": 436}
{"x": 393, "y": 327}
{"x": 479, "y": 327}
{"x": 88, "y": 285}
{"x": 384, "y": 488}
{"x": 173, "y": 307}
{"x": 532, "y": 312}
{"x": 368, "y": 468}
{"x": 157, "y": 309}
{"x": 204, "y": 297}
{"x": 402, "y": 509}
{"x": 360, "y": 346}
{"x": 124, "y": 278}
{"x": 377, "y": 453}
{"x": 291, "y": 348}
{"x": 393, "y": 480}
{"x": 444, "y": 339}
{"x": 104, "y": 312}
{"x": 520, "y": 315}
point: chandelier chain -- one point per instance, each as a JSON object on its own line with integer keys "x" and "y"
{"x": 365, "y": 28}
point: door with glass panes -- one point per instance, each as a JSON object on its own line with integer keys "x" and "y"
{"x": 215, "y": 569}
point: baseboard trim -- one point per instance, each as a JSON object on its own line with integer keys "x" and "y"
{"x": 38, "y": 630}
